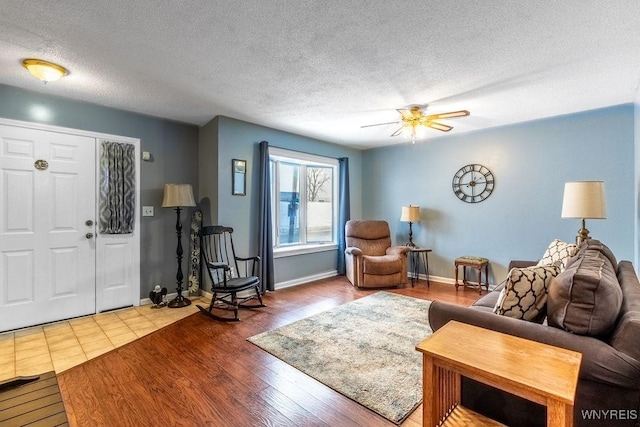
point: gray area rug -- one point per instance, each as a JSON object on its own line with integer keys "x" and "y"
{"x": 364, "y": 350}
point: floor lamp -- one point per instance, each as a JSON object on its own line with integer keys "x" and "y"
{"x": 410, "y": 214}
{"x": 178, "y": 196}
{"x": 584, "y": 199}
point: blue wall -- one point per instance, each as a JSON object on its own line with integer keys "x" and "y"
{"x": 174, "y": 151}
{"x": 531, "y": 162}
{"x": 240, "y": 140}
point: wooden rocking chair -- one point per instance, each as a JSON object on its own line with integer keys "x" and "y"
{"x": 221, "y": 263}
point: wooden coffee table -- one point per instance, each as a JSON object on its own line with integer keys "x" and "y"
{"x": 538, "y": 372}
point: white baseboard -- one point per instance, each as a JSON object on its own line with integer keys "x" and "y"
{"x": 282, "y": 285}
{"x": 169, "y": 297}
{"x": 243, "y": 294}
{"x": 445, "y": 280}
{"x": 307, "y": 279}
{"x": 205, "y": 294}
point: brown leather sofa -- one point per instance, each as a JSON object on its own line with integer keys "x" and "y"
{"x": 371, "y": 261}
{"x": 608, "y": 392}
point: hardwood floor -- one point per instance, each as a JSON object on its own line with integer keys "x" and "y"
{"x": 199, "y": 372}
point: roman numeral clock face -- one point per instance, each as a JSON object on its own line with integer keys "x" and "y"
{"x": 473, "y": 183}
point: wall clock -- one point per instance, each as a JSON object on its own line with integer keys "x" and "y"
{"x": 473, "y": 183}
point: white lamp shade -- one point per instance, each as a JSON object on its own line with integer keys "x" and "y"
{"x": 584, "y": 199}
{"x": 410, "y": 213}
{"x": 178, "y": 195}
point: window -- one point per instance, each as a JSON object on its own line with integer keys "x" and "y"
{"x": 304, "y": 201}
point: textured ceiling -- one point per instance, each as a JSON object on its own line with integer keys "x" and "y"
{"x": 325, "y": 68}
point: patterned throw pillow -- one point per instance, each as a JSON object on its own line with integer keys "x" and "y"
{"x": 558, "y": 252}
{"x": 524, "y": 296}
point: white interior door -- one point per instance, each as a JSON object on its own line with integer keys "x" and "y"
{"x": 47, "y": 248}
{"x": 53, "y": 263}
{"x": 118, "y": 268}
{"x": 117, "y": 275}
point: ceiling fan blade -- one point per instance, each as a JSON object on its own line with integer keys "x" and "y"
{"x": 449, "y": 115}
{"x": 438, "y": 126}
{"x": 398, "y": 132}
{"x": 405, "y": 112}
{"x": 380, "y": 124}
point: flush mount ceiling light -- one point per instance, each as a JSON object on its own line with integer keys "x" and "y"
{"x": 43, "y": 70}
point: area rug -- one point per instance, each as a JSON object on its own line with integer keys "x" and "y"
{"x": 364, "y": 350}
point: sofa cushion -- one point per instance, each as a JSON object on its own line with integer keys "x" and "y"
{"x": 586, "y": 298}
{"x": 558, "y": 252}
{"x": 381, "y": 265}
{"x": 488, "y": 301}
{"x": 371, "y": 236}
{"x": 376, "y": 281}
{"x": 525, "y": 293}
{"x": 593, "y": 244}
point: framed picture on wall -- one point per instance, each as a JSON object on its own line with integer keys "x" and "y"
{"x": 239, "y": 177}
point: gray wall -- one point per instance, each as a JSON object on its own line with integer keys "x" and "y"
{"x": 174, "y": 151}
{"x": 240, "y": 140}
{"x": 531, "y": 162}
{"x": 208, "y": 172}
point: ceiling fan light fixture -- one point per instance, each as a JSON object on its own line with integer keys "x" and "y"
{"x": 411, "y": 131}
{"x": 438, "y": 126}
{"x": 44, "y": 70}
{"x": 413, "y": 122}
{"x": 449, "y": 115}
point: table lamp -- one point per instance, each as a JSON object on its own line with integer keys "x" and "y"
{"x": 410, "y": 214}
{"x": 584, "y": 199}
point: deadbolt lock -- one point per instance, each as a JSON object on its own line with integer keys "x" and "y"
{"x": 89, "y": 223}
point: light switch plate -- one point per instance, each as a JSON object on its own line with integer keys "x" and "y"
{"x": 147, "y": 211}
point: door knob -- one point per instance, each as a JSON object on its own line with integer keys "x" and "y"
{"x": 88, "y": 223}
{"x": 89, "y": 235}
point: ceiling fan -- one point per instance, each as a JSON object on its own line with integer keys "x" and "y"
{"x": 413, "y": 117}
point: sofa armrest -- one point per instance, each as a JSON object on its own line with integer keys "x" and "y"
{"x": 398, "y": 250}
{"x": 600, "y": 361}
{"x": 352, "y": 250}
{"x": 518, "y": 263}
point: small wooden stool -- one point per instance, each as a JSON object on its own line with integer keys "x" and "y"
{"x": 474, "y": 262}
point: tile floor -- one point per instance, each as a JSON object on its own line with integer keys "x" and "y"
{"x": 63, "y": 345}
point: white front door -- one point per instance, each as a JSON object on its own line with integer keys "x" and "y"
{"x": 118, "y": 255}
{"x": 47, "y": 226}
{"x": 117, "y": 271}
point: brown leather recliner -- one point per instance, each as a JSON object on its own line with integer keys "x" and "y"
{"x": 371, "y": 261}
